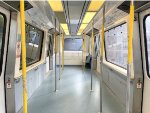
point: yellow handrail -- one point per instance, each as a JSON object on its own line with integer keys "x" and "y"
{"x": 130, "y": 38}
{"x": 130, "y": 56}
{"x": 101, "y": 57}
{"x": 23, "y": 42}
{"x": 63, "y": 51}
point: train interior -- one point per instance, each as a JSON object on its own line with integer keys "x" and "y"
{"x": 74, "y": 56}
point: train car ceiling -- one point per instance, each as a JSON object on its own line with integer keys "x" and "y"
{"x": 75, "y": 16}
{"x": 112, "y": 14}
{"x": 16, "y": 5}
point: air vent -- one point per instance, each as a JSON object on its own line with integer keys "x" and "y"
{"x": 125, "y": 6}
{"x": 16, "y": 5}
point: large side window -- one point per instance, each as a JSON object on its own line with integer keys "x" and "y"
{"x": 71, "y": 44}
{"x": 116, "y": 45}
{"x": 2, "y": 38}
{"x": 147, "y": 40}
{"x": 34, "y": 40}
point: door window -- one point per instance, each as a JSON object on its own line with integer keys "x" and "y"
{"x": 147, "y": 41}
{"x": 2, "y": 39}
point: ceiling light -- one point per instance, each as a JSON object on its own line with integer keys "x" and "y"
{"x": 56, "y": 5}
{"x": 88, "y": 17}
{"x": 64, "y": 26}
{"x": 67, "y": 32}
{"x": 95, "y": 5}
{"x": 78, "y": 33}
{"x": 80, "y": 30}
{"x": 83, "y": 26}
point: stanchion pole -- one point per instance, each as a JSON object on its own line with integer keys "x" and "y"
{"x": 130, "y": 55}
{"x": 55, "y": 58}
{"x": 59, "y": 54}
{"x": 92, "y": 47}
{"x": 84, "y": 50}
{"x": 101, "y": 58}
{"x": 63, "y": 51}
{"x": 23, "y": 43}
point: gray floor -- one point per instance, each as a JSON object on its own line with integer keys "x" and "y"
{"x": 73, "y": 95}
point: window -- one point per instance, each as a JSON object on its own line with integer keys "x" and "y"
{"x": 73, "y": 44}
{"x": 116, "y": 42}
{"x": 2, "y": 37}
{"x": 147, "y": 38}
{"x": 34, "y": 39}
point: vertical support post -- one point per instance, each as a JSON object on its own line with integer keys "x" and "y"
{"x": 55, "y": 58}
{"x": 84, "y": 55}
{"x": 63, "y": 51}
{"x": 101, "y": 57}
{"x": 59, "y": 55}
{"x": 130, "y": 55}
{"x": 23, "y": 43}
{"x": 92, "y": 48}
{"x": 82, "y": 49}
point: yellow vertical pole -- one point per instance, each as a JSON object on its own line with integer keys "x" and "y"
{"x": 102, "y": 41}
{"x": 23, "y": 43}
{"x": 63, "y": 51}
{"x": 130, "y": 55}
{"x": 101, "y": 57}
{"x": 130, "y": 37}
{"x": 92, "y": 48}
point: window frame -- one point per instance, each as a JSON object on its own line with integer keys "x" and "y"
{"x": 41, "y": 45}
{"x": 3, "y": 41}
{"x": 145, "y": 43}
{"x": 105, "y": 43}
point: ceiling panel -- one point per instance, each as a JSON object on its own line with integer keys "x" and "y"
{"x": 75, "y": 10}
{"x": 61, "y": 17}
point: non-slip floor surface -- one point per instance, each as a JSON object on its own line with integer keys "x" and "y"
{"x": 73, "y": 95}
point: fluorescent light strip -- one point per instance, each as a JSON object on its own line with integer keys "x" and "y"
{"x": 78, "y": 33}
{"x": 56, "y": 5}
{"x": 65, "y": 28}
{"x": 88, "y": 17}
{"x": 83, "y": 26}
{"x": 95, "y": 5}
